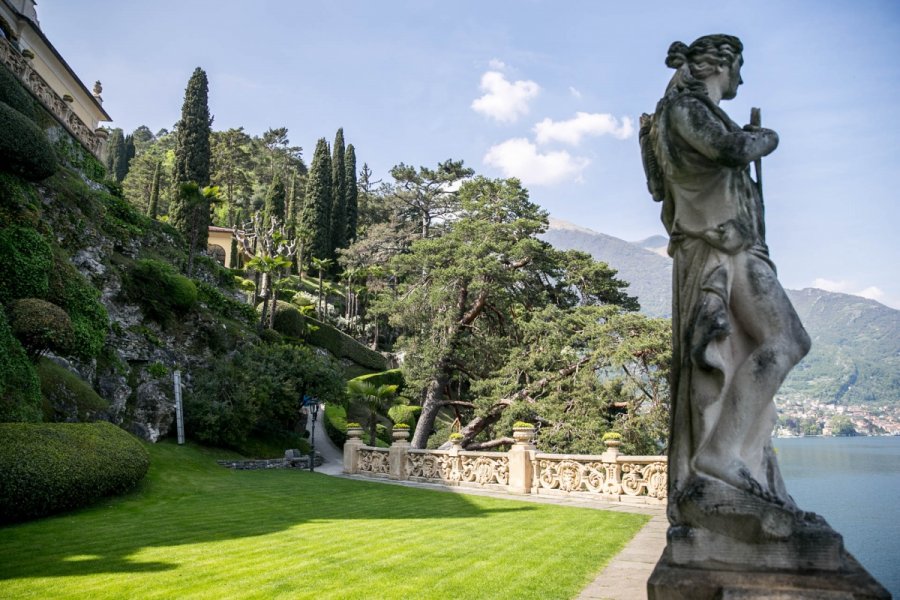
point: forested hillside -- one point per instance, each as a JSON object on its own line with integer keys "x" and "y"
{"x": 855, "y": 356}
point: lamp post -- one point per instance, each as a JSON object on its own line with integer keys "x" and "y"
{"x": 313, "y": 403}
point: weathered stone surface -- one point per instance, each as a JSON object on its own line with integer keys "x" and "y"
{"x": 851, "y": 582}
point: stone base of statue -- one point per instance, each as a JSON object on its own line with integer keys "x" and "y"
{"x": 751, "y": 546}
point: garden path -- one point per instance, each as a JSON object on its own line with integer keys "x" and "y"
{"x": 332, "y": 456}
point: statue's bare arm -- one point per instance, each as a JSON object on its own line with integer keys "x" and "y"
{"x": 707, "y": 134}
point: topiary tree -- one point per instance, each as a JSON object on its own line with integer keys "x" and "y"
{"x": 24, "y": 149}
{"x": 40, "y": 326}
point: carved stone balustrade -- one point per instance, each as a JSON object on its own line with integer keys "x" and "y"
{"x": 92, "y": 140}
{"x": 522, "y": 470}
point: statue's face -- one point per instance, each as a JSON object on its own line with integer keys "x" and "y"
{"x": 734, "y": 79}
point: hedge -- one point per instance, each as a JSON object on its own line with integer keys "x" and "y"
{"x": 389, "y": 377}
{"x": 24, "y": 149}
{"x": 51, "y": 467}
{"x": 13, "y": 93}
{"x": 20, "y": 394}
{"x": 72, "y": 291}
{"x": 67, "y": 398}
{"x": 288, "y": 320}
{"x": 336, "y": 424}
{"x": 40, "y": 326}
{"x": 343, "y": 346}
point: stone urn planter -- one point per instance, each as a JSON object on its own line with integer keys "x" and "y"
{"x": 523, "y": 433}
{"x": 400, "y": 434}
{"x": 456, "y": 441}
{"x": 354, "y": 433}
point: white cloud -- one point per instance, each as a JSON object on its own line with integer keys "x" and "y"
{"x": 583, "y": 124}
{"x": 504, "y": 101}
{"x": 497, "y": 64}
{"x": 574, "y": 91}
{"x": 520, "y": 158}
{"x": 845, "y": 287}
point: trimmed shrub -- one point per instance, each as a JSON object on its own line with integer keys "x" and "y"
{"x": 160, "y": 290}
{"x": 68, "y": 398}
{"x": 389, "y": 377}
{"x": 40, "y": 326}
{"x": 404, "y": 414}
{"x": 343, "y": 346}
{"x": 50, "y": 467}
{"x": 19, "y": 195}
{"x": 90, "y": 321}
{"x": 13, "y": 93}
{"x": 288, "y": 320}
{"x": 24, "y": 149}
{"x": 25, "y": 262}
{"x": 336, "y": 424}
{"x": 20, "y": 394}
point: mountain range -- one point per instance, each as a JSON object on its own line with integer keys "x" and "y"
{"x": 855, "y": 356}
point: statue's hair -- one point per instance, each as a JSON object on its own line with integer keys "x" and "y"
{"x": 699, "y": 60}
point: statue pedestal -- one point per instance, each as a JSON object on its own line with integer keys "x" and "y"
{"x": 676, "y": 582}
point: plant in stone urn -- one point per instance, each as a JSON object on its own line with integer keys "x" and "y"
{"x": 523, "y": 432}
{"x": 354, "y": 431}
{"x": 612, "y": 439}
{"x": 456, "y": 438}
{"x": 400, "y": 432}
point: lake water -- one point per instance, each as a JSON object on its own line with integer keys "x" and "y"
{"x": 855, "y": 484}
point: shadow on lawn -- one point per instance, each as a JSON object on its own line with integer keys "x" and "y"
{"x": 102, "y": 539}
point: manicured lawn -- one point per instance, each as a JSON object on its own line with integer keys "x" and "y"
{"x": 197, "y": 530}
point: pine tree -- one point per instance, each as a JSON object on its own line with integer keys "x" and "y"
{"x": 315, "y": 218}
{"x": 338, "y": 195}
{"x": 129, "y": 154}
{"x": 192, "y": 155}
{"x": 352, "y": 193}
{"x": 153, "y": 207}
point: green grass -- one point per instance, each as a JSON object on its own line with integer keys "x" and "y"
{"x": 196, "y": 530}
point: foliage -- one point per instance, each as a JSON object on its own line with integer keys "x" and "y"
{"x": 338, "y": 209}
{"x": 315, "y": 219}
{"x": 208, "y": 520}
{"x": 20, "y": 394}
{"x": 455, "y": 436}
{"x": 289, "y": 321}
{"x": 428, "y": 194}
{"x": 389, "y": 377}
{"x": 90, "y": 322}
{"x": 404, "y": 413}
{"x": 258, "y": 388}
{"x": 523, "y": 425}
{"x": 373, "y": 398}
{"x": 342, "y": 345}
{"x": 352, "y": 202}
{"x": 13, "y": 93}
{"x": 401, "y": 426}
{"x": 24, "y": 149}
{"x": 160, "y": 291}
{"x": 49, "y": 467}
{"x": 336, "y": 424}
{"x": 25, "y": 262}
{"x": 67, "y": 398}
{"x": 611, "y": 435}
{"x": 189, "y": 212}
{"x": 157, "y": 370}
{"x": 223, "y": 305}
{"x": 16, "y": 197}
{"x": 117, "y": 155}
{"x": 40, "y": 326}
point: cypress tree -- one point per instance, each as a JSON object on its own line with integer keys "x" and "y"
{"x": 153, "y": 206}
{"x": 116, "y": 156}
{"x": 316, "y": 216}
{"x": 352, "y": 193}
{"x": 338, "y": 195}
{"x": 129, "y": 154}
{"x": 275, "y": 201}
{"x": 192, "y": 155}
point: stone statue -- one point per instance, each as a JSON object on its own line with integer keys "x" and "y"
{"x": 735, "y": 333}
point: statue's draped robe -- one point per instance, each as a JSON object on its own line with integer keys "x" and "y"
{"x": 713, "y": 214}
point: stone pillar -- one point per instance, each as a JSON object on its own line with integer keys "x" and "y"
{"x": 351, "y": 450}
{"x": 397, "y": 453}
{"x": 520, "y": 457}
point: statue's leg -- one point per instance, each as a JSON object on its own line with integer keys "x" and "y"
{"x": 735, "y": 451}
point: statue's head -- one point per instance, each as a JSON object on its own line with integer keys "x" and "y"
{"x": 707, "y": 57}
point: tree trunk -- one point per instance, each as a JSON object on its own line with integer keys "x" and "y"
{"x": 265, "y": 300}
{"x": 430, "y": 408}
{"x": 274, "y": 307}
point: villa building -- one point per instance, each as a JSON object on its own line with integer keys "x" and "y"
{"x": 27, "y": 53}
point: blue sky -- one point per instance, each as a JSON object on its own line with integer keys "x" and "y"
{"x": 546, "y": 91}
